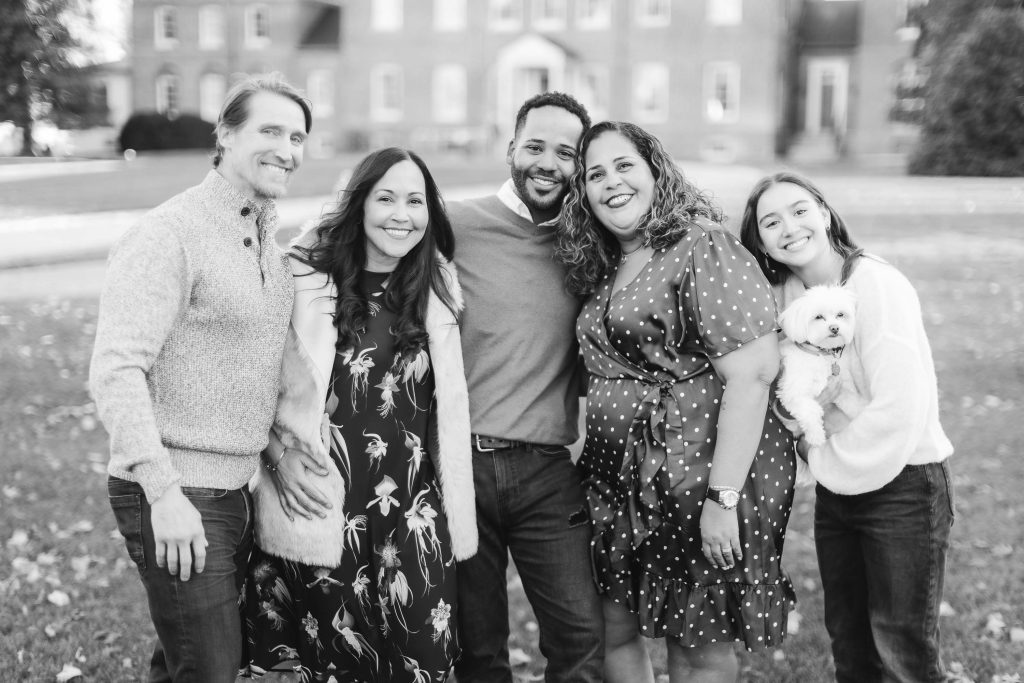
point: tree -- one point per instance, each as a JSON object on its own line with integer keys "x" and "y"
{"x": 973, "y": 119}
{"x": 36, "y": 49}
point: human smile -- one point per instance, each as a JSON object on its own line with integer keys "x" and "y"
{"x": 276, "y": 169}
{"x": 398, "y": 233}
{"x": 797, "y": 244}
{"x": 619, "y": 200}
{"x": 545, "y": 182}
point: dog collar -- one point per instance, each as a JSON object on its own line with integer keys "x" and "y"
{"x": 835, "y": 354}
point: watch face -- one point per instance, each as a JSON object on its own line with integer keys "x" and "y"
{"x": 729, "y": 498}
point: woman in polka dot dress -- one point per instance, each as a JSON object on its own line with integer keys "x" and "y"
{"x": 689, "y": 476}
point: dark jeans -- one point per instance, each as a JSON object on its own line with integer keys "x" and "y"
{"x": 882, "y": 557}
{"x": 530, "y": 502}
{"x": 197, "y": 622}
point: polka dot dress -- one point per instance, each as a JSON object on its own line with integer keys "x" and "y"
{"x": 652, "y": 411}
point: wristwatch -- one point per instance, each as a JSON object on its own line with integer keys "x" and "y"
{"x": 726, "y": 496}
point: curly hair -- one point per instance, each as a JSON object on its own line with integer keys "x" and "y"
{"x": 588, "y": 250}
{"x": 340, "y": 251}
{"x": 838, "y": 234}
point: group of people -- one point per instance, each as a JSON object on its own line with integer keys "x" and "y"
{"x": 322, "y": 460}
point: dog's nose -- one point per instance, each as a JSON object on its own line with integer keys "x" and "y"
{"x": 834, "y": 329}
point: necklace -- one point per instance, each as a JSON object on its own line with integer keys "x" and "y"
{"x": 627, "y": 254}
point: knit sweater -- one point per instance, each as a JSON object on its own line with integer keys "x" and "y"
{"x": 891, "y": 366}
{"x": 193, "y": 318}
{"x": 518, "y": 328}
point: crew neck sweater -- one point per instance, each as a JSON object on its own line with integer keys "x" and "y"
{"x": 518, "y": 326}
{"x": 891, "y": 365}
{"x": 192, "y": 323}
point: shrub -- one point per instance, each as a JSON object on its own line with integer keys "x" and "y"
{"x": 974, "y": 113}
{"x": 150, "y": 131}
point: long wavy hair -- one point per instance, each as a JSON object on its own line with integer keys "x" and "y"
{"x": 340, "y": 251}
{"x": 838, "y": 234}
{"x": 588, "y": 250}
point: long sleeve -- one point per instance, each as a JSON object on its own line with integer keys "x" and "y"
{"x": 146, "y": 287}
{"x": 899, "y": 424}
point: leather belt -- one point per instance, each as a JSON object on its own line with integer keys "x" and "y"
{"x": 486, "y": 444}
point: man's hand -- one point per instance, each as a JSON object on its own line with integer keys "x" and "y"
{"x": 178, "y": 534}
{"x": 295, "y": 481}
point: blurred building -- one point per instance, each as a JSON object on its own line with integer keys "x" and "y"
{"x": 726, "y": 80}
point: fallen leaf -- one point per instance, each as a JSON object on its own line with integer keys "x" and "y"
{"x": 59, "y": 598}
{"x": 1017, "y": 634}
{"x": 517, "y": 657}
{"x": 530, "y": 627}
{"x": 19, "y": 539}
{"x": 1002, "y": 550}
{"x": 995, "y": 625}
{"x": 946, "y": 610}
{"x": 779, "y": 656}
{"x": 793, "y": 622}
{"x": 50, "y": 630}
{"x": 68, "y": 673}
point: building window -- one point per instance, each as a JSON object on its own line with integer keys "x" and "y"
{"x": 257, "y": 26}
{"x": 650, "y": 93}
{"x": 505, "y": 15}
{"x": 165, "y": 28}
{"x": 449, "y": 15}
{"x": 386, "y": 93}
{"x": 594, "y": 91}
{"x": 449, "y": 89}
{"x": 722, "y": 92}
{"x": 168, "y": 94}
{"x": 386, "y": 15}
{"x": 653, "y": 12}
{"x": 593, "y": 14}
{"x": 549, "y": 15}
{"x": 211, "y": 27}
{"x": 320, "y": 90}
{"x": 724, "y": 12}
{"x": 212, "y": 88}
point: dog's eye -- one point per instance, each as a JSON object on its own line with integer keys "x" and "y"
{"x": 819, "y": 317}
{"x": 840, "y": 315}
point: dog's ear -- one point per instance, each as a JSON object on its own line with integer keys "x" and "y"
{"x": 793, "y": 320}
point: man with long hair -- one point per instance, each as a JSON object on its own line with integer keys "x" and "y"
{"x": 185, "y": 370}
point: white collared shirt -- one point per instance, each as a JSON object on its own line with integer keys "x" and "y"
{"x": 507, "y": 195}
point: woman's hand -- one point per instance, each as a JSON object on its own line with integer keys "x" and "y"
{"x": 295, "y": 481}
{"x": 831, "y": 391}
{"x": 720, "y": 535}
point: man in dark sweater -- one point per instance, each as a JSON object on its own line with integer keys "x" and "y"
{"x": 520, "y": 350}
{"x": 193, "y": 317}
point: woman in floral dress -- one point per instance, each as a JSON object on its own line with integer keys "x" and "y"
{"x": 370, "y": 594}
{"x": 689, "y": 476}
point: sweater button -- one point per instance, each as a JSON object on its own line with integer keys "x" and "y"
{"x": 246, "y": 210}
{"x": 247, "y": 241}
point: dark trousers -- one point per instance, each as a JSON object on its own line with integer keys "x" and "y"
{"x": 198, "y": 624}
{"x": 530, "y": 502}
{"x": 882, "y": 557}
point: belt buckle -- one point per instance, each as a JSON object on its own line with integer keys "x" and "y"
{"x": 476, "y": 443}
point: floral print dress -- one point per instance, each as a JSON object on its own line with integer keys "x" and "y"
{"x": 652, "y": 412}
{"x": 387, "y": 612}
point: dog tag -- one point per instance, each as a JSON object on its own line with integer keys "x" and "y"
{"x": 835, "y": 369}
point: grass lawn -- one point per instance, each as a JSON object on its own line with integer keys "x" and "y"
{"x": 70, "y": 595}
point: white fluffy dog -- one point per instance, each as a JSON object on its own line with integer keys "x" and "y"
{"x": 818, "y": 326}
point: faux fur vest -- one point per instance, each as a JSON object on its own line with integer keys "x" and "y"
{"x": 301, "y": 423}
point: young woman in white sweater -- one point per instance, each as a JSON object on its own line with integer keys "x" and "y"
{"x": 884, "y": 496}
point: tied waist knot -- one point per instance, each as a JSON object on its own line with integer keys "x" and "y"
{"x": 646, "y": 452}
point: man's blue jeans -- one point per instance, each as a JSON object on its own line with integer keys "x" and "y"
{"x": 530, "y": 501}
{"x": 882, "y": 557}
{"x": 198, "y": 624}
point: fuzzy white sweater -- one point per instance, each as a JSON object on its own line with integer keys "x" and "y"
{"x": 892, "y": 368}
